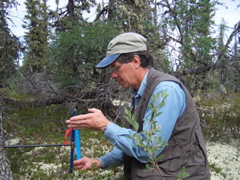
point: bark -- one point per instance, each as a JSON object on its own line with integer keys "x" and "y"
{"x": 5, "y": 170}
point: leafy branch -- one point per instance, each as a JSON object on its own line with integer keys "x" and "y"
{"x": 149, "y": 140}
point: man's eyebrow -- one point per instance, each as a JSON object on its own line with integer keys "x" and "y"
{"x": 112, "y": 66}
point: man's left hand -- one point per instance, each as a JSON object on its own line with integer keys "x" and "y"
{"x": 93, "y": 120}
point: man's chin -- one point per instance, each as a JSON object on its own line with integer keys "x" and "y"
{"x": 124, "y": 86}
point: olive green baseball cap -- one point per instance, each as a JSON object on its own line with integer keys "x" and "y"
{"x": 123, "y": 43}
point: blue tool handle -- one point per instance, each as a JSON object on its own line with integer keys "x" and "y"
{"x": 78, "y": 144}
{"x": 77, "y": 139}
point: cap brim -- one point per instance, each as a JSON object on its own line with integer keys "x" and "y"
{"x": 107, "y": 61}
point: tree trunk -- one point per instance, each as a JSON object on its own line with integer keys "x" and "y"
{"x": 5, "y": 171}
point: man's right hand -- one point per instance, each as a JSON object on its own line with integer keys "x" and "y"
{"x": 87, "y": 163}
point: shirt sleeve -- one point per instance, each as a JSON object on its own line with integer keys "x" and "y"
{"x": 174, "y": 106}
{"x": 112, "y": 159}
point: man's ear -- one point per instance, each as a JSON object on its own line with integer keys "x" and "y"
{"x": 136, "y": 61}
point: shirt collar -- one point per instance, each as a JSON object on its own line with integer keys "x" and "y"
{"x": 140, "y": 91}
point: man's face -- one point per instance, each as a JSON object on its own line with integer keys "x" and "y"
{"x": 124, "y": 74}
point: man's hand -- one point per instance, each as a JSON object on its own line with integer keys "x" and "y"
{"x": 87, "y": 163}
{"x": 93, "y": 120}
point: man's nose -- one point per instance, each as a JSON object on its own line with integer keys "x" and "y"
{"x": 114, "y": 75}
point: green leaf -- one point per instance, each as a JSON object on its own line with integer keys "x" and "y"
{"x": 159, "y": 157}
{"x": 127, "y": 112}
{"x": 183, "y": 174}
{"x": 149, "y": 166}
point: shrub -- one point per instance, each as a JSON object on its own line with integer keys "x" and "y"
{"x": 220, "y": 116}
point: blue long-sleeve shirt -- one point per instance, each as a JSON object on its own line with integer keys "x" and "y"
{"x": 174, "y": 106}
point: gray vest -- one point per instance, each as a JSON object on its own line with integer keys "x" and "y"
{"x": 186, "y": 146}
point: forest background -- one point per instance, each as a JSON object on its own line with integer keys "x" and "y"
{"x": 57, "y": 72}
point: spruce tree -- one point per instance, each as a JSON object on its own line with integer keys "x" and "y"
{"x": 9, "y": 44}
{"x": 36, "y": 37}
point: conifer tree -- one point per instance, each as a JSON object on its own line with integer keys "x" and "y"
{"x": 36, "y": 37}
{"x": 9, "y": 44}
{"x": 187, "y": 23}
{"x": 139, "y": 16}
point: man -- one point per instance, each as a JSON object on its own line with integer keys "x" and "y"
{"x": 131, "y": 66}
